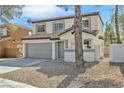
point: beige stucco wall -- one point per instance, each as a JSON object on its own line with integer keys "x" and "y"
{"x": 94, "y": 21}
{"x": 69, "y": 23}
{"x": 49, "y": 25}
{"x": 90, "y": 56}
{"x": 71, "y": 41}
{"x": 100, "y": 42}
{"x": 33, "y": 29}
{"x": 100, "y": 27}
{"x": 95, "y": 24}
{"x": 95, "y": 41}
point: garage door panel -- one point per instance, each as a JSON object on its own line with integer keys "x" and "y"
{"x": 39, "y": 50}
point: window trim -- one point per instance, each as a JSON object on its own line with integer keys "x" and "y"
{"x": 86, "y": 45}
{"x": 89, "y": 19}
{"x": 58, "y": 22}
{"x": 40, "y": 25}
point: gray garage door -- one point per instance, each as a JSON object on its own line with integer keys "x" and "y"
{"x": 39, "y": 50}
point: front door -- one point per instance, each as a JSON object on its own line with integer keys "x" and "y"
{"x": 60, "y": 49}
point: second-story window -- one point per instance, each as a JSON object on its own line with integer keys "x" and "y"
{"x": 86, "y": 23}
{"x": 58, "y": 26}
{"x": 41, "y": 28}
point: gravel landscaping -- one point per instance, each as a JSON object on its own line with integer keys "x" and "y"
{"x": 62, "y": 75}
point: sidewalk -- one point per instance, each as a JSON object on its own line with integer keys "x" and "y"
{"x": 4, "y": 83}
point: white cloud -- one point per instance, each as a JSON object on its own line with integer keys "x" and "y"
{"x": 39, "y": 12}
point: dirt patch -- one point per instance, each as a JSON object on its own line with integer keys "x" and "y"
{"x": 54, "y": 74}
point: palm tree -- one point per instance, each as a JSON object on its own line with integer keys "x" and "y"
{"x": 78, "y": 35}
{"x": 116, "y": 25}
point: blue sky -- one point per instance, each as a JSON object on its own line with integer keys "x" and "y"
{"x": 41, "y": 12}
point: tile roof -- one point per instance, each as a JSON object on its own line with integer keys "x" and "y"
{"x": 93, "y": 32}
{"x": 68, "y": 17}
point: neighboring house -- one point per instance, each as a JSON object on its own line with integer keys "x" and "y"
{"x": 54, "y": 38}
{"x": 10, "y": 39}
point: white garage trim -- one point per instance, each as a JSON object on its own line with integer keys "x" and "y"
{"x": 39, "y": 41}
{"x": 53, "y": 50}
{"x": 24, "y": 50}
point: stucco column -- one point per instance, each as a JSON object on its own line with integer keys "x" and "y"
{"x": 53, "y": 50}
{"x": 34, "y": 29}
{"x": 24, "y": 50}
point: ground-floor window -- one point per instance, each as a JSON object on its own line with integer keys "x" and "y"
{"x": 87, "y": 43}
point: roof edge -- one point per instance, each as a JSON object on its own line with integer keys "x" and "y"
{"x": 67, "y": 30}
{"x": 40, "y": 38}
{"x": 68, "y": 17}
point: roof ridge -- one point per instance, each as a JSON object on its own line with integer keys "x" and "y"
{"x": 82, "y": 14}
{"x": 68, "y": 17}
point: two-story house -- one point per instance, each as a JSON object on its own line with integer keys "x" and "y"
{"x": 53, "y": 38}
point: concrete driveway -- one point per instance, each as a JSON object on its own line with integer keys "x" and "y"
{"x": 4, "y": 83}
{"x": 13, "y": 64}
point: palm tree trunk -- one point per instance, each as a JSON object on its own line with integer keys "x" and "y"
{"x": 116, "y": 25}
{"x": 78, "y": 37}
